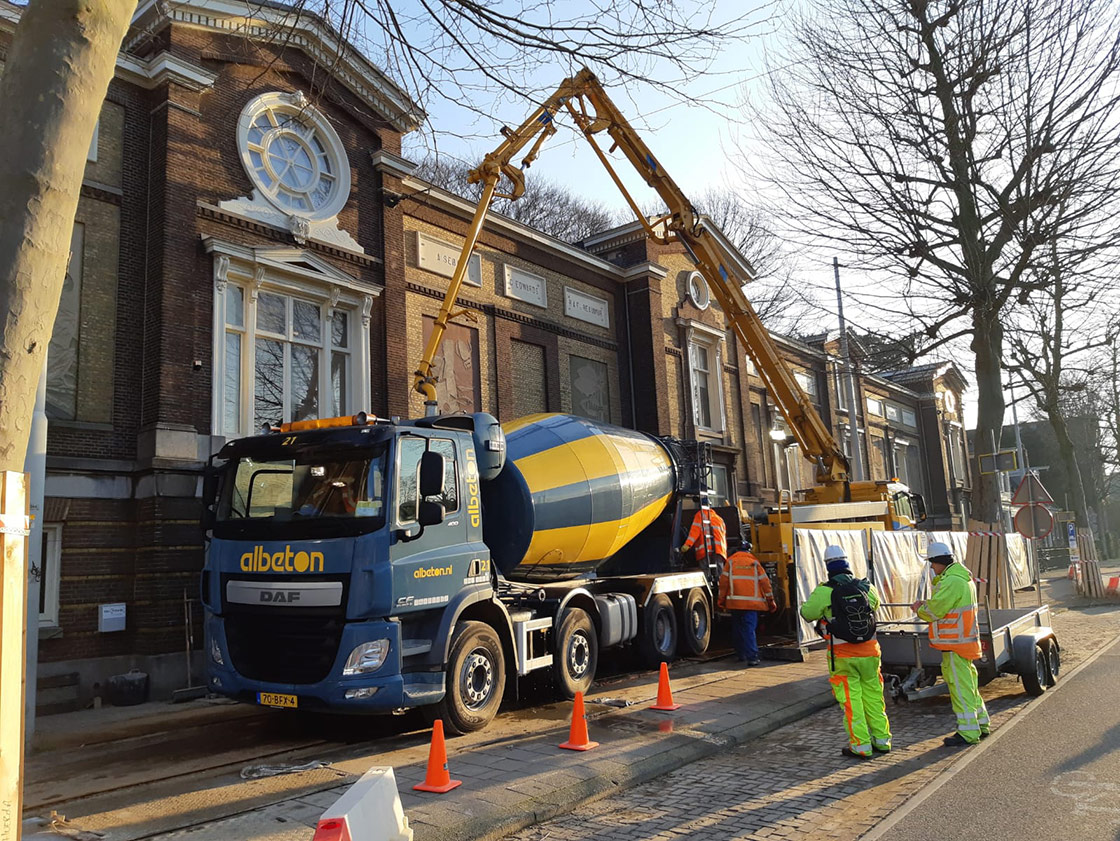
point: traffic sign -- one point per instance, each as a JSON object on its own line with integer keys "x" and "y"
{"x": 1002, "y": 462}
{"x": 1034, "y": 521}
{"x": 1030, "y": 490}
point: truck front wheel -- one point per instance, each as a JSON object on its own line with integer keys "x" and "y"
{"x": 476, "y": 679}
{"x": 657, "y": 639}
{"x": 577, "y": 653}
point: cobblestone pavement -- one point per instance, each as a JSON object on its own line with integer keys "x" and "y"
{"x": 794, "y": 784}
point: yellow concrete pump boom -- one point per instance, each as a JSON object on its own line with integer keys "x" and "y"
{"x": 717, "y": 259}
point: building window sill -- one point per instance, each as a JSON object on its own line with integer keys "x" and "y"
{"x": 50, "y": 632}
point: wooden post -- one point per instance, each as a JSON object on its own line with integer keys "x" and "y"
{"x": 14, "y": 529}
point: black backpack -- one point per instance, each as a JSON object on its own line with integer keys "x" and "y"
{"x": 853, "y": 620}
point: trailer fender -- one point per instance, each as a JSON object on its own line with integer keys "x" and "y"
{"x": 1023, "y": 645}
{"x": 476, "y": 603}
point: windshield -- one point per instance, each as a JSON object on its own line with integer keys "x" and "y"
{"x": 309, "y": 487}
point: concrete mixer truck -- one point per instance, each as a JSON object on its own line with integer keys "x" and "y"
{"x": 369, "y": 565}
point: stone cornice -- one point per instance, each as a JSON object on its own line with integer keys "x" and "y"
{"x": 302, "y": 30}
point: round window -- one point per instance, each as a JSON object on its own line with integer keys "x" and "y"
{"x": 294, "y": 155}
{"x": 698, "y": 291}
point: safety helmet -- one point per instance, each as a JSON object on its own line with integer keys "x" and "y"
{"x": 836, "y": 561}
{"x": 939, "y": 552}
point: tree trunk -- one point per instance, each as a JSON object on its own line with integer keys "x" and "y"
{"x": 55, "y": 78}
{"x": 1073, "y": 469}
{"x": 987, "y": 346}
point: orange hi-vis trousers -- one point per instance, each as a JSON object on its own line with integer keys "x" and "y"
{"x": 857, "y": 685}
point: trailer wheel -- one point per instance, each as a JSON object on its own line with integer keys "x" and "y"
{"x": 1036, "y": 677}
{"x": 1053, "y": 661}
{"x": 476, "y": 679}
{"x": 577, "y": 653}
{"x": 657, "y": 639}
{"x": 695, "y": 623}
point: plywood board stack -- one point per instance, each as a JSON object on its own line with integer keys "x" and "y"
{"x": 1090, "y": 583}
{"x": 986, "y": 559}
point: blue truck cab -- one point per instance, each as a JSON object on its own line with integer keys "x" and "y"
{"x": 340, "y": 555}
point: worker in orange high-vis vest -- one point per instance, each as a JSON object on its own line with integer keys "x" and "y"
{"x": 847, "y": 607}
{"x": 953, "y": 630}
{"x": 745, "y": 591}
{"x": 710, "y": 545}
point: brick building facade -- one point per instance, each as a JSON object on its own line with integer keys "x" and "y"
{"x": 251, "y": 247}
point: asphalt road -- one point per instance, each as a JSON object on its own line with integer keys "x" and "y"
{"x": 1053, "y": 775}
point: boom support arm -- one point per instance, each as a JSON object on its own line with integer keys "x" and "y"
{"x": 717, "y": 259}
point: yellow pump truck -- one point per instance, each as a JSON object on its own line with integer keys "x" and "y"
{"x": 835, "y": 501}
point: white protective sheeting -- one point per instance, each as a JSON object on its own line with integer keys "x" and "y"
{"x": 809, "y": 546}
{"x": 898, "y": 558}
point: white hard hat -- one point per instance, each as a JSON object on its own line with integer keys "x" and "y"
{"x": 834, "y": 553}
{"x": 938, "y": 550}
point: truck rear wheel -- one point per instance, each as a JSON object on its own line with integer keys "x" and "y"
{"x": 696, "y": 623}
{"x": 476, "y": 679}
{"x": 577, "y": 653}
{"x": 657, "y": 638}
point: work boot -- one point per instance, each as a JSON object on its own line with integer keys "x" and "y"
{"x": 754, "y": 662}
{"x": 849, "y": 752}
{"x": 956, "y": 741}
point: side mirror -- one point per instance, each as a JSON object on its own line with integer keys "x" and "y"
{"x": 919, "y": 507}
{"x": 430, "y": 513}
{"x": 431, "y": 474}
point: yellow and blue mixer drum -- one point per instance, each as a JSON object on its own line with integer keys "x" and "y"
{"x": 572, "y": 493}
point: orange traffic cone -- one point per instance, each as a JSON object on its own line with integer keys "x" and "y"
{"x": 664, "y": 693}
{"x": 437, "y": 779}
{"x": 577, "y": 735}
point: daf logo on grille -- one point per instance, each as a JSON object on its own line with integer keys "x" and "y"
{"x": 278, "y": 596}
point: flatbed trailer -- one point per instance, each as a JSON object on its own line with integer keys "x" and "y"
{"x": 1018, "y": 641}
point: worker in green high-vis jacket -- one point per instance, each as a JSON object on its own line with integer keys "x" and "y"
{"x": 953, "y": 630}
{"x": 847, "y": 606}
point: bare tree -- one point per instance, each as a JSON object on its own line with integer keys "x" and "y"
{"x": 775, "y": 292}
{"x": 935, "y": 140}
{"x": 1050, "y": 344}
{"x": 476, "y": 54}
{"x": 545, "y": 206}
{"x": 55, "y": 77}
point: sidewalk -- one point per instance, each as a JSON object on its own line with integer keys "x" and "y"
{"x": 512, "y": 777}
{"x": 114, "y": 724}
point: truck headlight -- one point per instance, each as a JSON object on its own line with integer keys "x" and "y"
{"x": 367, "y": 657}
{"x": 216, "y": 652}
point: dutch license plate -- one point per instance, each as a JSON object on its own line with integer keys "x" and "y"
{"x": 275, "y": 699}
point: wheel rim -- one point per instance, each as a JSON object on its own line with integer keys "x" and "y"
{"x": 579, "y": 655}
{"x": 699, "y": 622}
{"x": 1040, "y": 669}
{"x": 476, "y": 679}
{"x": 1055, "y": 659}
{"x": 663, "y": 632}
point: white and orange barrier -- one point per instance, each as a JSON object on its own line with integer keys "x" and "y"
{"x": 369, "y": 811}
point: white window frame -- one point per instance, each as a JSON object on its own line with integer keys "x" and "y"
{"x": 912, "y": 421}
{"x": 330, "y": 290}
{"x": 50, "y": 577}
{"x": 807, "y": 381}
{"x": 715, "y": 382}
{"x": 726, "y": 473}
{"x": 875, "y": 407}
